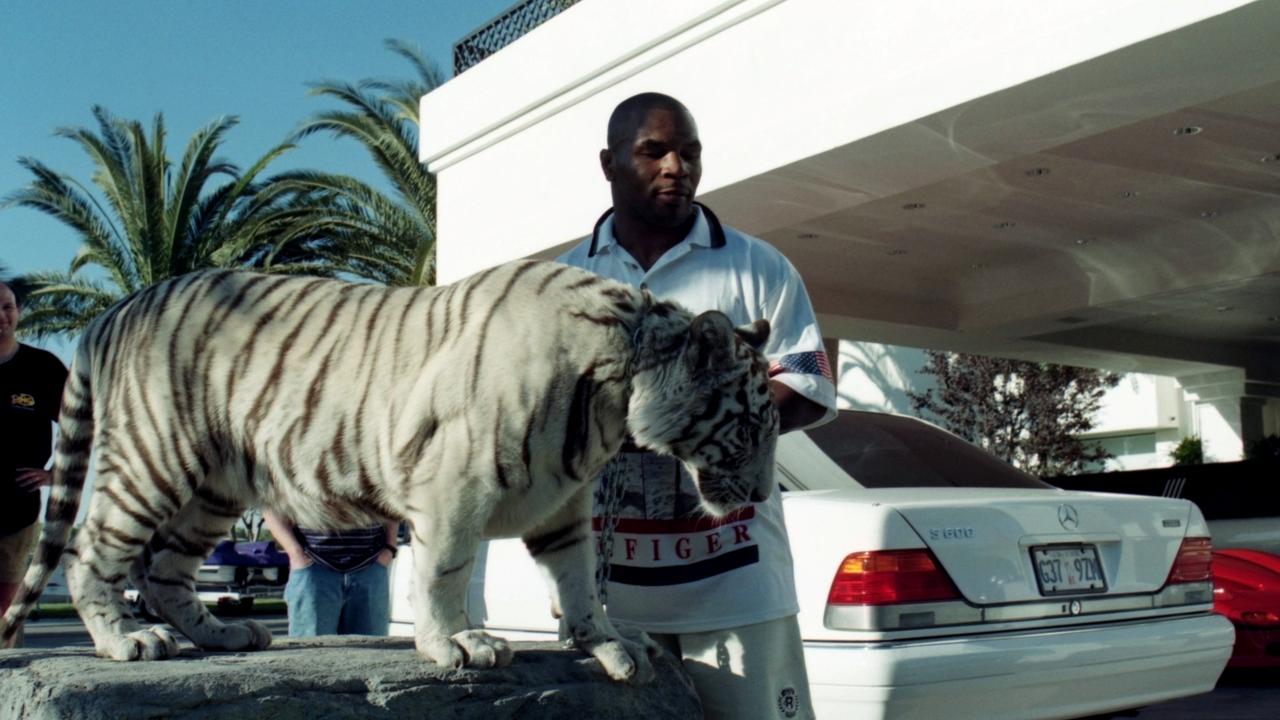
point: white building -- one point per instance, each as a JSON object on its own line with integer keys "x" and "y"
{"x": 1141, "y": 420}
{"x": 1094, "y": 182}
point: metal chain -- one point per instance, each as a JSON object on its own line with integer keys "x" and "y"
{"x": 609, "y": 493}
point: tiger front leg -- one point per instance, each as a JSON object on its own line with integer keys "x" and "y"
{"x": 442, "y": 563}
{"x": 564, "y": 549}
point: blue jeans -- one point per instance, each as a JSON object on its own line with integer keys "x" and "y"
{"x": 325, "y": 602}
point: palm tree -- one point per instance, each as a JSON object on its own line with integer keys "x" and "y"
{"x": 351, "y": 226}
{"x": 156, "y": 223}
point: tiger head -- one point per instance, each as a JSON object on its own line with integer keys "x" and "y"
{"x": 707, "y": 402}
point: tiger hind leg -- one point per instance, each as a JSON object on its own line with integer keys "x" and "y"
{"x": 174, "y": 555}
{"x": 96, "y": 569}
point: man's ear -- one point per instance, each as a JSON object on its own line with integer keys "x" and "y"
{"x": 606, "y": 164}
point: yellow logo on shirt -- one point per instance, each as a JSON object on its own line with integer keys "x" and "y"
{"x": 22, "y": 400}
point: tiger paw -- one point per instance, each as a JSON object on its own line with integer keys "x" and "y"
{"x": 641, "y": 638}
{"x": 245, "y": 635}
{"x": 259, "y": 635}
{"x": 482, "y": 649}
{"x": 627, "y": 661}
{"x": 469, "y": 648}
{"x": 153, "y": 643}
{"x": 440, "y": 650}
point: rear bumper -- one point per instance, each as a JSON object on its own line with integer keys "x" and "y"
{"x": 1256, "y": 648}
{"x": 1039, "y": 675}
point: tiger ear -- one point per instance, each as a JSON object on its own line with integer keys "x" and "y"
{"x": 710, "y": 341}
{"x": 756, "y": 334}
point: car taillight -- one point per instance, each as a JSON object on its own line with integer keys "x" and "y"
{"x": 1194, "y": 562}
{"x": 889, "y": 577}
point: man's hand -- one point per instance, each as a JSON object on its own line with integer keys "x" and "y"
{"x": 32, "y": 479}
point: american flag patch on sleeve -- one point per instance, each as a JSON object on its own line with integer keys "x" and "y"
{"x": 807, "y": 363}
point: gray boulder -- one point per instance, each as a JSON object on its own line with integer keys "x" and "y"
{"x": 332, "y": 678}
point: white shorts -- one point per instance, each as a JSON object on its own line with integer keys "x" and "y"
{"x": 754, "y": 672}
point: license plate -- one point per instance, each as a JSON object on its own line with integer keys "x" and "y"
{"x": 1067, "y": 569}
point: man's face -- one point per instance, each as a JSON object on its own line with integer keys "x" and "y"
{"x": 655, "y": 178}
{"x": 9, "y": 314}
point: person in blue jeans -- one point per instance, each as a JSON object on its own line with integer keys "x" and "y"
{"x": 339, "y": 580}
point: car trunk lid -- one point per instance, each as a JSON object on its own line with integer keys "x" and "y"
{"x": 990, "y": 542}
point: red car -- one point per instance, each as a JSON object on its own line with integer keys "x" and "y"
{"x": 1246, "y": 589}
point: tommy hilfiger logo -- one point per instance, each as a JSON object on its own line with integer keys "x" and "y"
{"x": 22, "y": 400}
{"x": 788, "y": 703}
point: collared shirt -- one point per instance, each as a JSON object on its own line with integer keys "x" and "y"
{"x": 672, "y": 568}
{"x": 719, "y": 268}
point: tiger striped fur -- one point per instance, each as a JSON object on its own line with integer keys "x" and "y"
{"x": 483, "y": 409}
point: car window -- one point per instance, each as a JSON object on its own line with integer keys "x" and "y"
{"x": 882, "y": 451}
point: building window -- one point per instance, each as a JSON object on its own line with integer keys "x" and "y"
{"x": 1132, "y": 452}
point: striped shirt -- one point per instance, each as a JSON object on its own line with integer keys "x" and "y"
{"x": 343, "y": 550}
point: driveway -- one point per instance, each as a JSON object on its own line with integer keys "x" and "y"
{"x": 1240, "y": 695}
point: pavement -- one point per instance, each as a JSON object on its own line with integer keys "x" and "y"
{"x": 1240, "y": 695}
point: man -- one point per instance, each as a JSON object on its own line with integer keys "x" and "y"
{"x": 719, "y": 594}
{"x": 339, "y": 581}
{"x": 31, "y": 383}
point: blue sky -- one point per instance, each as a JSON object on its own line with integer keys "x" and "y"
{"x": 194, "y": 61}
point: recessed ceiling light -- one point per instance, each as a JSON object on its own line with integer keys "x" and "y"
{"x": 1085, "y": 241}
{"x": 1225, "y": 308}
{"x": 913, "y": 206}
{"x": 1128, "y": 194}
{"x": 896, "y": 251}
{"x": 1188, "y": 130}
{"x": 1004, "y": 225}
{"x": 1207, "y": 214}
{"x": 806, "y": 236}
{"x": 1271, "y": 158}
{"x": 1036, "y": 172}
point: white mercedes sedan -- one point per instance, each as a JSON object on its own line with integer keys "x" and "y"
{"x": 935, "y": 581}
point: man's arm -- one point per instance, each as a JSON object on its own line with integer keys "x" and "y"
{"x": 794, "y": 410}
{"x": 282, "y": 530}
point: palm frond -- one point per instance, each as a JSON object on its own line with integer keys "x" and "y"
{"x": 58, "y": 303}
{"x": 193, "y": 176}
{"x": 149, "y": 225}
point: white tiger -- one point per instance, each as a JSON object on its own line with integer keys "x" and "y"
{"x": 483, "y": 409}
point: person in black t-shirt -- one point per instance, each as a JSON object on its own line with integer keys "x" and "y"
{"x": 31, "y": 383}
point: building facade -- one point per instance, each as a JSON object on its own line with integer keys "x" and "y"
{"x": 1092, "y": 183}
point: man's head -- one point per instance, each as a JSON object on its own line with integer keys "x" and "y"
{"x": 10, "y": 312}
{"x": 653, "y": 161}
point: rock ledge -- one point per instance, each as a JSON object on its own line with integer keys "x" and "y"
{"x": 332, "y": 678}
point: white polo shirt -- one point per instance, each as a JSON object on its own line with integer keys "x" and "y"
{"x": 673, "y": 569}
